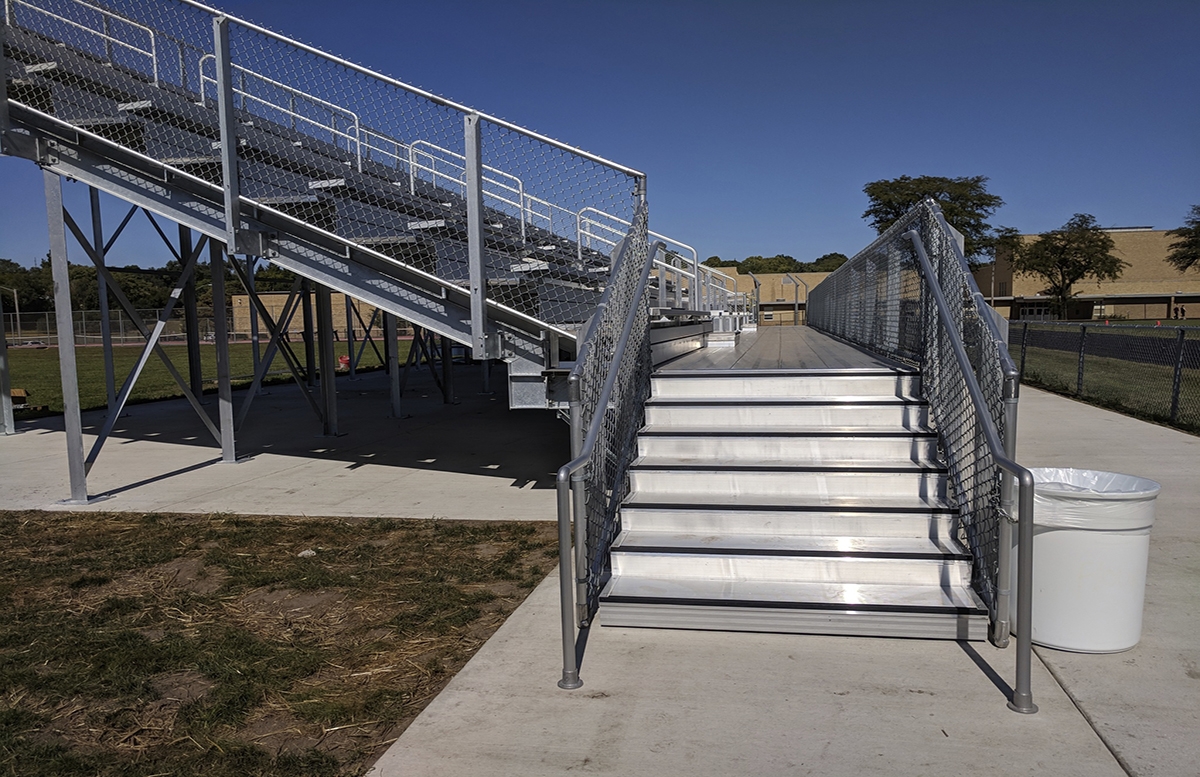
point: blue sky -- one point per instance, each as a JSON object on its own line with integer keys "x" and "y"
{"x": 758, "y": 123}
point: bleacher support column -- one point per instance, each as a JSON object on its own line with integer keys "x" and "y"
{"x": 328, "y": 361}
{"x": 252, "y": 290}
{"x": 6, "y": 409}
{"x": 66, "y": 337}
{"x": 350, "y": 334}
{"x": 216, "y": 253}
{"x": 310, "y": 351}
{"x": 191, "y": 319}
{"x": 447, "y": 371}
{"x": 110, "y": 379}
{"x": 391, "y": 348}
{"x": 481, "y": 347}
{"x": 228, "y": 130}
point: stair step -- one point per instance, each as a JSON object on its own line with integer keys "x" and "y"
{"x": 783, "y": 482}
{"x": 717, "y": 445}
{"x": 785, "y": 383}
{"x": 795, "y": 608}
{"x": 815, "y": 522}
{"x": 788, "y": 544}
{"x": 844, "y": 411}
{"x": 793, "y": 567}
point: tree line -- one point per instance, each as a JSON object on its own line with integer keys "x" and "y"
{"x": 146, "y": 289}
{"x": 780, "y": 263}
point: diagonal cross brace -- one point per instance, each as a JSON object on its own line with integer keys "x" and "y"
{"x": 289, "y": 357}
{"x": 152, "y": 338}
{"x": 276, "y": 330}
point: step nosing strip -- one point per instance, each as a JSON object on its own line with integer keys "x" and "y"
{"x": 923, "y": 609}
{"x": 669, "y": 550}
{"x": 794, "y": 508}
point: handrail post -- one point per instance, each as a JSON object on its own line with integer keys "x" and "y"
{"x": 566, "y": 588}
{"x": 579, "y": 499}
{"x": 1022, "y": 700}
{"x": 1002, "y": 626}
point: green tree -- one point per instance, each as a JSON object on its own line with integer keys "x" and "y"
{"x": 1185, "y": 252}
{"x": 827, "y": 262}
{"x": 35, "y": 291}
{"x": 1079, "y": 250}
{"x": 965, "y": 201}
{"x": 769, "y": 264}
{"x": 716, "y": 261}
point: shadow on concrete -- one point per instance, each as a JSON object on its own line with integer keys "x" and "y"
{"x": 478, "y": 435}
{"x": 987, "y": 669}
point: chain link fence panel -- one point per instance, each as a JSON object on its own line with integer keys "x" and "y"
{"x": 880, "y": 301}
{"x": 1151, "y": 372}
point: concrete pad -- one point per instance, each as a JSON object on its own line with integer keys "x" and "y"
{"x": 1145, "y": 702}
{"x": 473, "y": 460}
{"x": 711, "y": 703}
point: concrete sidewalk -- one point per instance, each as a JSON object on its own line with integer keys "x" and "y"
{"x": 704, "y": 703}
{"x": 476, "y": 459}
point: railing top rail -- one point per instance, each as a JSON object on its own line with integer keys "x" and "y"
{"x": 415, "y": 90}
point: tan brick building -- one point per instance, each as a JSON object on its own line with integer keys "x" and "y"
{"x": 1149, "y": 287}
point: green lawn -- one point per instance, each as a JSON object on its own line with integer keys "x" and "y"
{"x": 36, "y": 370}
{"x": 1142, "y": 390}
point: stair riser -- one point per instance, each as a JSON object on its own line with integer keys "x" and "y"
{"x": 796, "y": 621}
{"x": 649, "y": 484}
{"x": 799, "y": 450}
{"x": 781, "y": 523}
{"x": 792, "y": 569}
{"x": 913, "y": 417}
{"x": 787, "y": 386}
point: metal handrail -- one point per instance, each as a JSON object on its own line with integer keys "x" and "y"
{"x": 583, "y": 456}
{"x": 217, "y": 13}
{"x": 1022, "y": 700}
{"x": 101, "y": 34}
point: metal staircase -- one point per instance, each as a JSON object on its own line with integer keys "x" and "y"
{"x": 804, "y": 501}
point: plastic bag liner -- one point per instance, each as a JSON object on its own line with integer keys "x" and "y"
{"x": 1087, "y": 499}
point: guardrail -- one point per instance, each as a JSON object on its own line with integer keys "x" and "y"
{"x": 608, "y": 386}
{"x": 910, "y": 296}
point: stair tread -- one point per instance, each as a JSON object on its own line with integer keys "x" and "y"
{"x": 781, "y": 594}
{"x": 745, "y": 463}
{"x": 664, "y": 430}
{"x": 733, "y": 544}
{"x": 671, "y": 372}
{"x": 841, "y": 399}
{"x": 814, "y": 501}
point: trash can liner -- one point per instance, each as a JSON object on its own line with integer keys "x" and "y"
{"x": 1087, "y": 499}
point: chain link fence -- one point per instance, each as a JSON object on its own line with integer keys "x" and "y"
{"x": 1151, "y": 372}
{"x": 343, "y": 150}
{"x": 881, "y": 301}
{"x": 626, "y": 310}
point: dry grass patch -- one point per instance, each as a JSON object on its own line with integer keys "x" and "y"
{"x": 218, "y": 645}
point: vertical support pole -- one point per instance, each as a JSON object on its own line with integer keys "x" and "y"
{"x": 579, "y": 505}
{"x": 350, "y": 334}
{"x": 1022, "y": 699}
{"x": 4, "y": 81}
{"x": 1177, "y": 381}
{"x": 310, "y": 351}
{"x": 191, "y": 319}
{"x": 216, "y": 253}
{"x": 328, "y": 360}
{"x": 1082, "y": 351}
{"x": 66, "y": 336}
{"x": 393, "y": 361}
{"x": 6, "y": 409}
{"x": 447, "y": 371}
{"x": 1024, "y": 347}
{"x": 110, "y": 380}
{"x": 1001, "y": 627}
{"x": 252, "y": 290}
{"x": 474, "y": 194}
{"x": 228, "y": 128}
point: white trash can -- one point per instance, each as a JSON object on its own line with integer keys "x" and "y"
{"x": 1091, "y": 543}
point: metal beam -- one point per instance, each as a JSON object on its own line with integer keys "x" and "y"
{"x": 4, "y": 122}
{"x": 474, "y": 194}
{"x": 391, "y": 348}
{"x": 350, "y": 333}
{"x": 228, "y": 126}
{"x": 6, "y": 408}
{"x": 216, "y": 262}
{"x": 447, "y": 372}
{"x": 66, "y": 337}
{"x": 110, "y": 380}
{"x": 251, "y": 287}
{"x": 328, "y": 360}
{"x": 191, "y": 318}
{"x": 310, "y": 350}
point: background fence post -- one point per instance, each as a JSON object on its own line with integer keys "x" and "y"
{"x": 1024, "y": 347}
{"x": 1177, "y": 382}
{"x": 1082, "y": 350}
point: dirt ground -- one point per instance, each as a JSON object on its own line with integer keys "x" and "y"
{"x": 170, "y": 644}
